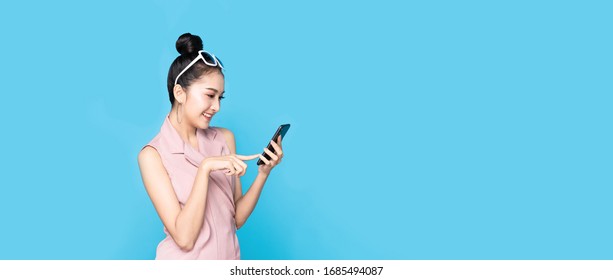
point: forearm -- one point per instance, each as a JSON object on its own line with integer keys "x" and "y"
{"x": 190, "y": 219}
{"x": 246, "y": 204}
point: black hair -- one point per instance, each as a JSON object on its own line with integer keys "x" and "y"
{"x": 188, "y": 46}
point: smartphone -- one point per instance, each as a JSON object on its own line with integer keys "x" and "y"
{"x": 280, "y": 131}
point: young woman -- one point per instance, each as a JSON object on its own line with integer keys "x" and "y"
{"x": 191, "y": 170}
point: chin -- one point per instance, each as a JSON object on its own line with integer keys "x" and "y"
{"x": 203, "y": 124}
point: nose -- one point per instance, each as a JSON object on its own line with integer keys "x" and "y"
{"x": 216, "y": 104}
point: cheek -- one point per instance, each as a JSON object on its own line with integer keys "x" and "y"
{"x": 196, "y": 105}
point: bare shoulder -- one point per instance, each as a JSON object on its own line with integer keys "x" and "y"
{"x": 153, "y": 171}
{"x": 148, "y": 155}
{"x": 226, "y": 132}
{"x": 229, "y": 136}
{"x": 148, "y": 152}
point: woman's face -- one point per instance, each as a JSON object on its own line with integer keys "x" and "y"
{"x": 203, "y": 99}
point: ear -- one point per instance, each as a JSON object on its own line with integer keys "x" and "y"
{"x": 179, "y": 93}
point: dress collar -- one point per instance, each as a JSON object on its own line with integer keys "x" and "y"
{"x": 176, "y": 144}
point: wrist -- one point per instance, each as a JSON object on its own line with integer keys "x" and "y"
{"x": 263, "y": 174}
{"x": 204, "y": 166}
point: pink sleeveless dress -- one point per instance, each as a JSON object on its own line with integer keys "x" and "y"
{"x": 217, "y": 238}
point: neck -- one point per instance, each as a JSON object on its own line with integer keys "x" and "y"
{"x": 186, "y": 131}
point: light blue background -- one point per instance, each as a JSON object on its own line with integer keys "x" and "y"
{"x": 420, "y": 129}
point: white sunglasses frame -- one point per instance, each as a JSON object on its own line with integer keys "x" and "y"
{"x": 200, "y": 56}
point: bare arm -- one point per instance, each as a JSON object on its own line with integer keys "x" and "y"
{"x": 244, "y": 203}
{"x": 183, "y": 224}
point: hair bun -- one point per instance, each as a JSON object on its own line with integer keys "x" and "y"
{"x": 188, "y": 43}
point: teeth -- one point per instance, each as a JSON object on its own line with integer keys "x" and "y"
{"x": 207, "y": 115}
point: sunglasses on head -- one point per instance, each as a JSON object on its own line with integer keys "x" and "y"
{"x": 208, "y": 58}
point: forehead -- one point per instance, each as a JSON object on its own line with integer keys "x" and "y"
{"x": 210, "y": 80}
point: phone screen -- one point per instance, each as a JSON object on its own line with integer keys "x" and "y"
{"x": 282, "y": 130}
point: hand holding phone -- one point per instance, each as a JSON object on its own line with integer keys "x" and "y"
{"x": 282, "y": 130}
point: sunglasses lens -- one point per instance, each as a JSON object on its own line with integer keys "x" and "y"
{"x": 208, "y": 58}
{"x": 220, "y": 64}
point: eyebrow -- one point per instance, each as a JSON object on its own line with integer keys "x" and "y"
{"x": 215, "y": 90}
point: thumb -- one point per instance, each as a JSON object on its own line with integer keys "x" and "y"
{"x": 241, "y": 157}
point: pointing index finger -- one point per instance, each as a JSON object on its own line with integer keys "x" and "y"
{"x": 241, "y": 157}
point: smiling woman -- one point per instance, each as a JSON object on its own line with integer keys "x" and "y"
{"x": 191, "y": 170}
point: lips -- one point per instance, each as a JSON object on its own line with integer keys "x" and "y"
{"x": 208, "y": 116}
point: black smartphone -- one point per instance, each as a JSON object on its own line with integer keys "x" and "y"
{"x": 280, "y": 131}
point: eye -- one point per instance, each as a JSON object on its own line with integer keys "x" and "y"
{"x": 213, "y": 96}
